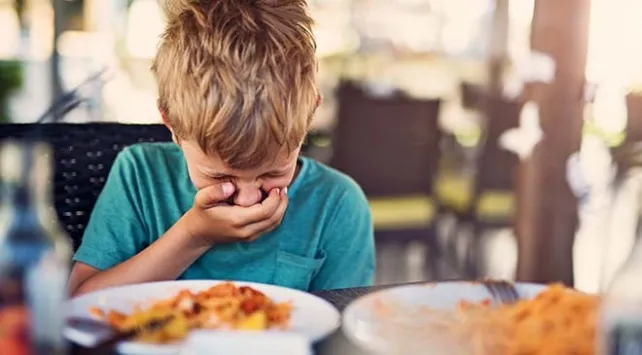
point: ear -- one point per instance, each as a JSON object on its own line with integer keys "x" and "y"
{"x": 163, "y": 114}
{"x": 166, "y": 122}
{"x": 319, "y": 100}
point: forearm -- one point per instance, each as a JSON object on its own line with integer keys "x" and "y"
{"x": 165, "y": 259}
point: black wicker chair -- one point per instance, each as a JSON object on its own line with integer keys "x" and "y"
{"x": 83, "y": 156}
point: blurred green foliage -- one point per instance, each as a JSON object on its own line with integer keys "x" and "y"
{"x": 11, "y": 80}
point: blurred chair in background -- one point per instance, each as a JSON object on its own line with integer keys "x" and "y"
{"x": 487, "y": 203}
{"x": 472, "y": 95}
{"x": 390, "y": 146}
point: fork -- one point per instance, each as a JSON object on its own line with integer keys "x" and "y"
{"x": 95, "y": 334}
{"x": 501, "y": 291}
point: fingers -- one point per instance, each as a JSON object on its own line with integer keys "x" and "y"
{"x": 243, "y": 223}
{"x": 279, "y": 214}
{"x": 212, "y": 195}
{"x": 260, "y": 211}
{"x": 280, "y": 211}
{"x": 267, "y": 225}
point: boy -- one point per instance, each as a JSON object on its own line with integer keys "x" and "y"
{"x": 230, "y": 198}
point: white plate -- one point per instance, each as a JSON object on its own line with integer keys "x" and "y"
{"x": 312, "y": 317}
{"x": 364, "y": 324}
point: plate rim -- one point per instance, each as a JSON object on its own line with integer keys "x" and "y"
{"x": 334, "y": 316}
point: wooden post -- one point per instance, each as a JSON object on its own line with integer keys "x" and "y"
{"x": 546, "y": 208}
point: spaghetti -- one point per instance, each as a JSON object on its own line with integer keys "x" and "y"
{"x": 558, "y": 321}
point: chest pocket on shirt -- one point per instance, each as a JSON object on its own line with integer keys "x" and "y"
{"x": 296, "y": 271}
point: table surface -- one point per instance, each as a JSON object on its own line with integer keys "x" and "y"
{"x": 335, "y": 344}
{"x": 338, "y": 343}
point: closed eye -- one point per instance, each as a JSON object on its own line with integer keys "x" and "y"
{"x": 221, "y": 177}
{"x": 273, "y": 175}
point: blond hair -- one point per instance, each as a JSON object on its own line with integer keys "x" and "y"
{"x": 238, "y": 76}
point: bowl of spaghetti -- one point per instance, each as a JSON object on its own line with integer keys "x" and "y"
{"x": 460, "y": 318}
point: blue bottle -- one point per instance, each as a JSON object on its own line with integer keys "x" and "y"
{"x": 35, "y": 254}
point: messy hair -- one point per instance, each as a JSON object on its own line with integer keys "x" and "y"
{"x": 238, "y": 77}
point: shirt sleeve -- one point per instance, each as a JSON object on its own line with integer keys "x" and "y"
{"x": 348, "y": 244}
{"x": 115, "y": 231}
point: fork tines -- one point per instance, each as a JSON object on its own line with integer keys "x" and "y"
{"x": 502, "y": 291}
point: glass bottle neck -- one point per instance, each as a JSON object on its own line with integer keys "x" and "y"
{"x": 24, "y": 204}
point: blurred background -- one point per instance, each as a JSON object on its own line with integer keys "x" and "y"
{"x": 487, "y": 134}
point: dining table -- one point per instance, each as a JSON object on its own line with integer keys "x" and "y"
{"x": 335, "y": 344}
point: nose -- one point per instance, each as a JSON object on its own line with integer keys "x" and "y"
{"x": 247, "y": 195}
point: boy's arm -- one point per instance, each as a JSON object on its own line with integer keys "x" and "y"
{"x": 113, "y": 251}
{"x": 348, "y": 244}
{"x": 173, "y": 250}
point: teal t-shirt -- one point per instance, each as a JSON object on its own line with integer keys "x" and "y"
{"x": 325, "y": 240}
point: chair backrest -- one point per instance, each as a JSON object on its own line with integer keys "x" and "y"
{"x": 83, "y": 156}
{"x": 497, "y": 167}
{"x": 389, "y": 145}
{"x": 472, "y": 95}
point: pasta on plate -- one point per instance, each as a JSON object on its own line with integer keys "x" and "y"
{"x": 224, "y": 306}
{"x": 557, "y": 321}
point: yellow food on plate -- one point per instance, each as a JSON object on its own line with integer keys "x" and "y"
{"x": 223, "y": 306}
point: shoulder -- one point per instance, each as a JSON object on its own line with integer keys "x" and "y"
{"x": 146, "y": 166}
{"x": 143, "y": 153}
{"x": 339, "y": 192}
{"x": 333, "y": 183}
{"x": 147, "y": 157}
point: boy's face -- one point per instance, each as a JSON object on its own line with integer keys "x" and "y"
{"x": 251, "y": 185}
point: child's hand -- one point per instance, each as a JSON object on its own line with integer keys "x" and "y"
{"x": 211, "y": 222}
